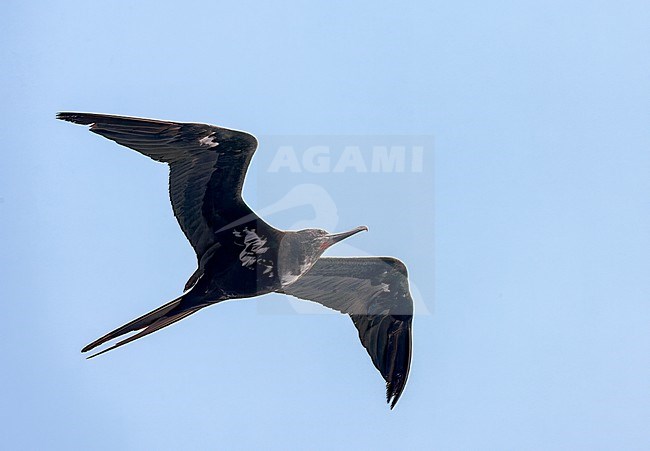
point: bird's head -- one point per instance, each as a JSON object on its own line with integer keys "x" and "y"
{"x": 323, "y": 240}
{"x": 316, "y": 241}
{"x": 301, "y": 249}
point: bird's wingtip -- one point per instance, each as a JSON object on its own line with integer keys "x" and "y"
{"x": 76, "y": 118}
{"x": 393, "y": 393}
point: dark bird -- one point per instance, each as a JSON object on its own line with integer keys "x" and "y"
{"x": 240, "y": 256}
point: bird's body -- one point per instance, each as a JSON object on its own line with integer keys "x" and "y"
{"x": 239, "y": 255}
{"x": 254, "y": 249}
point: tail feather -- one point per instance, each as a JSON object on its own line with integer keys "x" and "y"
{"x": 158, "y": 316}
{"x": 159, "y": 324}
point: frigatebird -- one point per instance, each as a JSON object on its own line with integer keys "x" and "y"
{"x": 241, "y": 256}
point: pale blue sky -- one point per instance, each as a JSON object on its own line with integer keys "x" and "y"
{"x": 526, "y": 234}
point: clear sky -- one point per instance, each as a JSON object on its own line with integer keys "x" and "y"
{"x": 526, "y": 229}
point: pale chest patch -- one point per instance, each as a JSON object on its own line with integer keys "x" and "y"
{"x": 288, "y": 277}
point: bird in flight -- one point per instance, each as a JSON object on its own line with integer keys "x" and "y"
{"x": 240, "y": 256}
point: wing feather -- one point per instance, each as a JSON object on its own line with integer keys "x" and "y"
{"x": 374, "y": 292}
{"x": 207, "y": 167}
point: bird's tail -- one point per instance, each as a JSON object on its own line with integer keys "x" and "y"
{"x": 151, "y": 322}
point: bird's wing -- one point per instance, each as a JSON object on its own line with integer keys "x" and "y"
{"x": 374, "y": 291}
{"x": 207, "y": 168}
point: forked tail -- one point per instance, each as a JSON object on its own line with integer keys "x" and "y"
{"x": 155, "y": 320}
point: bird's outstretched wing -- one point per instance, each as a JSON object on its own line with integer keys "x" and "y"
{"x": 207, "y": 168}
{"x": 374, "y": 291}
